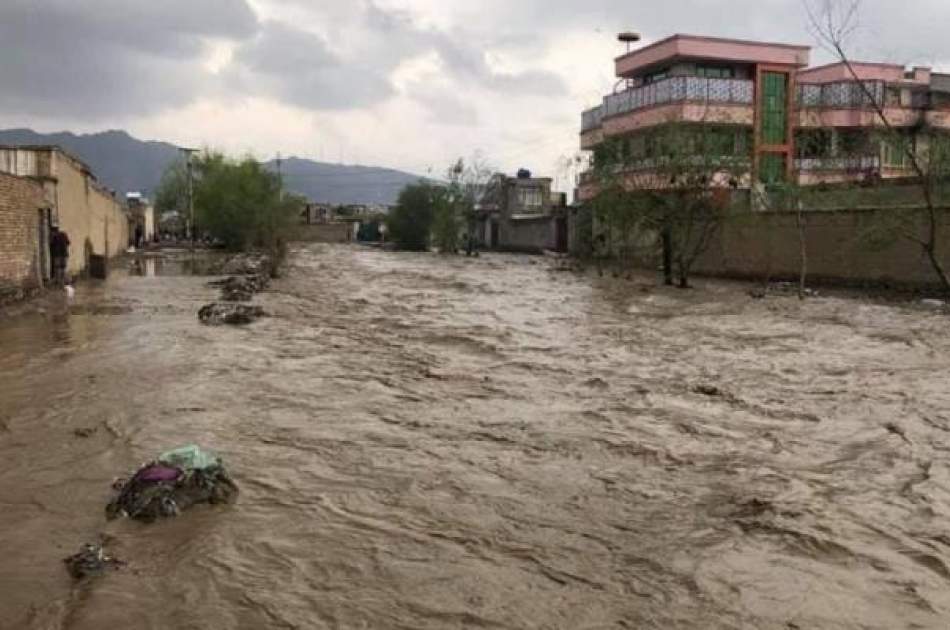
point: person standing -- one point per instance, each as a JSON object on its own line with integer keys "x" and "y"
{"x": 59, "y": 253}
{"x": 138, "y": 236}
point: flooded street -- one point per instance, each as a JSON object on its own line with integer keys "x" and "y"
{"x": 424, "y": 442}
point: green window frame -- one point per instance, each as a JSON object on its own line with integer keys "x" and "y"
{"x": 772, "y": 168}
{"x": 774, "y": 108}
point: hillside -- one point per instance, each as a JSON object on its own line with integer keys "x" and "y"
{"x": 127, "y": 164}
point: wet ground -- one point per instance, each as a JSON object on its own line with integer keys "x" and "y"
{"x": 453, "y": 443}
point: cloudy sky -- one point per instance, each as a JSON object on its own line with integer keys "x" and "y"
{"x": 410, "y": 84}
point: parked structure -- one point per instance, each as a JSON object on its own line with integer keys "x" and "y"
{"x": 96, "y": 223}
{"x": 24, "y": 236}
{"x": 522, "y": 214}
{"x": 793, "y": 124}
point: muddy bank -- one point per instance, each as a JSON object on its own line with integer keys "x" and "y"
{"x": 425, "y": 442}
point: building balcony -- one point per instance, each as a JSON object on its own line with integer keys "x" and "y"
{"x": 854, "y": 164}
{"x": 840, "y": 95}
{"x": 679, "y": 99}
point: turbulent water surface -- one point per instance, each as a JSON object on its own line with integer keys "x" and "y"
{"x": 425, "y": 442}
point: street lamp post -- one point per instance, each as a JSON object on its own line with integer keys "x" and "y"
{"x": 191, "y": 192}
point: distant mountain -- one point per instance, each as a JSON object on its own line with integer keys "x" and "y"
{"x": 341, "y": 184}
{"x": 127, "y": 164}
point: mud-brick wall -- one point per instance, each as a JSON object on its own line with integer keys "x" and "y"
{"x": 20, "y": 203}
{"x": 91, "y": 217}
{"x": 839, "y": 247}
{"x": 533, "y": 234}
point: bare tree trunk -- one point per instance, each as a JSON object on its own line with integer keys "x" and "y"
{"x": 667, "y": 238}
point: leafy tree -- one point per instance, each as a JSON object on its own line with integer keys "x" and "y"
{"x": 410, "y": 222}
{"x": 237, "y": 201}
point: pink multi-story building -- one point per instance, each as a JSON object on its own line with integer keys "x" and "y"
{"x": 784, "y": 120}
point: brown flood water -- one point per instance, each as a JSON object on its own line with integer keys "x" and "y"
{"x": 490, "y": 443}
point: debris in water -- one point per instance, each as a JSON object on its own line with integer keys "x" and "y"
{"x": 935, "y": 304}
{"x": 91, "y": 561}
{"x": 253, "y": 264}
{"x": 85, "y": 432}
{"x": 897, "y": 430}
{"x": 219, "y": 313}
{"x": 174, "y": 482}
{"x": 240, "y": 288}
{"x": 708, "y": 390}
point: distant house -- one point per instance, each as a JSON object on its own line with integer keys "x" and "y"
{"x": 521, "y": 213}
{"x": 142, "y": 214}
{"x": 318, "y": 213}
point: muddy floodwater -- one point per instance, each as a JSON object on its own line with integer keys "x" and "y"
{"x": 425, "y": 442}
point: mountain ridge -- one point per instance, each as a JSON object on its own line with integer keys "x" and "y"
{"x": 126, "y": 164}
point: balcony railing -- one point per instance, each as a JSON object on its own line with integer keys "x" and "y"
{"x": 672, "y": 90}
{"x": 842, "y": 94}
{"x": 592, "y": 118}
{"x": 857, "y": 163}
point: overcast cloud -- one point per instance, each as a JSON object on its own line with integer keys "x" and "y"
{"x": 404, "y": 83}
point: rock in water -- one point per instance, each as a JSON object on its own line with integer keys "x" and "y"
{"x": 218, "y": 313}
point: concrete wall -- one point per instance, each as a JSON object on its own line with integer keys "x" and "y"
{"x": 324, "y": 233}
{"x": 92, "y": 218}
{"x": 529, "y": 235}
{"x": 20, "y": 247}
{"x": 767, "y": 244}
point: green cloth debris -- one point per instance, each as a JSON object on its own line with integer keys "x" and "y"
{"x": 190, "y": 458}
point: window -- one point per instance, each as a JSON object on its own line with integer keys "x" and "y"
{"x": 813, "y": 143}
{"x": 656, "y": 76}
{"x": 715, "y": 72}
{"x": 530, "y": 198}
{"x": 895, "y": 151}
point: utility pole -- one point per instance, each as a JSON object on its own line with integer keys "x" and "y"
{"x": 191, "y": 193}
{"x": 280, "y": 179}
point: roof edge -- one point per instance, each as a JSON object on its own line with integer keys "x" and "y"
{"x": 708, "y": 38}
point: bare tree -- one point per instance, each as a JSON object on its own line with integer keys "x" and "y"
{"x": 833, "y": 23}
{"x": 469, "y": 183}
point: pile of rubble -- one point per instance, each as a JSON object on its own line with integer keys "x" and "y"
{"x": 172, "y": 483}
{"x": 247, "y": 274}
{"x": 233, "y": 313}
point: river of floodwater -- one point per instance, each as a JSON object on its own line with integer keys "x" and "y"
{"x": 424, "y": 442}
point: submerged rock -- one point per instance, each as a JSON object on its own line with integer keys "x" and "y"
{"x": 235, "y": 314}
